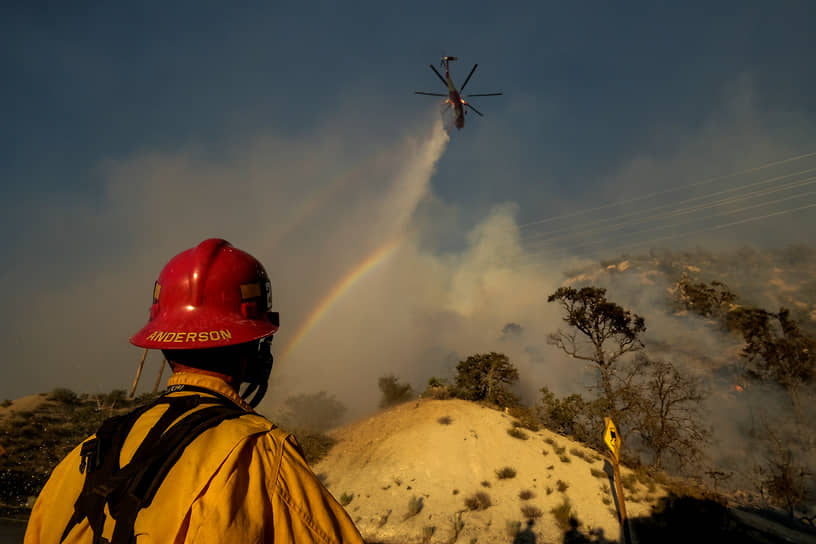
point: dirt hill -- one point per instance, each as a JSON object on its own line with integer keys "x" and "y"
{"x": 443, "y": 452}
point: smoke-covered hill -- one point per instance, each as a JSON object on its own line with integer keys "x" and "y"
{"x": 698, "y": 307}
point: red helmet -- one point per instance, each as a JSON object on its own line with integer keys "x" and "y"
{"x": 212, "y": 295}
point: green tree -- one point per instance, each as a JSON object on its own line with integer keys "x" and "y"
{"x": 776, "y": 349}
{"x": 708, "y": 300}
{"x": 484, "y": 376}
{"x": 394, "y": 392}
{"x": 611, "y": 330}
{"x": 571, "y": 415}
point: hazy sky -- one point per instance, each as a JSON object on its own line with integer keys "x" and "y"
{"x": 131, "y": 133}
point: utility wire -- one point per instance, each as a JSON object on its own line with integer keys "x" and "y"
{"x": 666, "y": 191}
{"x": 531, "y": 260}
{"x": 602, "y": 221}
{"x": 672, "y": 213}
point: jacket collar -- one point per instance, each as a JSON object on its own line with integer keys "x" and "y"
{"x": 212, "y": 383}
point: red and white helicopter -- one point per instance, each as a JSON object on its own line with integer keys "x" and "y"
{"x": 454, "y": 102}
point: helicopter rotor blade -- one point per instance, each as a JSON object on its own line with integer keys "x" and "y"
{"x": 442, "y": 79}
{"x": 468, "y": 105}
{"x": 462, "y": 88}
{"x": 430, "y": 94}
{"x": 485, "y": 94}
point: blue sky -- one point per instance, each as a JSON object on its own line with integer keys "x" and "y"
{"x": 585, "y": 85}
{"x": 602, "y": 104}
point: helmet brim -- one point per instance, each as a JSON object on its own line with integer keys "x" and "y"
{"x": 184, "y": 330}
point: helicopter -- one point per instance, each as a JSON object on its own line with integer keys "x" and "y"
{"x": 454, "y": 102}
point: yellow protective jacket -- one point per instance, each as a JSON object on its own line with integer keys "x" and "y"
{"x": 243, "y": 481}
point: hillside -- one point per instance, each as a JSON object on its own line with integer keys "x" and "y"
{"x": 442, "y": 452}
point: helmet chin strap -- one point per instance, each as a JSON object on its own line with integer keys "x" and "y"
{"x": 257, "y": 373}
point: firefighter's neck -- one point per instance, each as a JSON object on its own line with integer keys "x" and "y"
{"x": 232, "y": 380}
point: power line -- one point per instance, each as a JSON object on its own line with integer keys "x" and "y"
{"x": 667, "y": 191}
{"x": 672, "y": 213}
{"x": 635, "y": 214}
{"x": 530, "y": 258}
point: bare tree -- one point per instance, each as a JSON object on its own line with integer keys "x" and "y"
{"x": 611, "y": 331}
{"x": 668, "y": 411}
{"x": 784, "y": 475}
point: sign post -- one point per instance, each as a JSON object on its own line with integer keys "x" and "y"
{"x": 613, "y": 442}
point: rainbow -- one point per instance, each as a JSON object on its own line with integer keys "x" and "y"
{"x": 356, "y": 273}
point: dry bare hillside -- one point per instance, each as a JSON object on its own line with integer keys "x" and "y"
{"x": 444, "y": 452}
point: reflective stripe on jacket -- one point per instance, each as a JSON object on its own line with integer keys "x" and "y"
{"x": 242, "y": 481}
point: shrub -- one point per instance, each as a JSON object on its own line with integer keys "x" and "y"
{"x": 563, "y": 515}
{"x": 526, "y": 495}
{"x": 565, "y": 459}
{"x": 562, "y": 485}
{"x": 415, "y": 505}
{"x": 478, "y": 501}
{"x": 445, "y": 420}
{"x": 580, "y": 454}
{"x": 64, "y": 396}
{"x": 393, "y": 392}
{"x": 6, "y": 403}
{"x": 629, "y": 482}
{"x": 315, "y": 445}
{"x": 455, "y": 491}
{"x": 506, "y": 473}
{"x": 526, "y": 417}
{"x": 317, "y": 412}
{"x": 559, "y": 450}
{"x": 513, "y": 528}
{"x": 383, "y": 519}
{"x": 346, "y": 498}
{"x": 485, "y": 483}
{"x": 549, "y": 440}
{"x": 427, "y": 532}
{"x": 517, "y": 433}
{"x": 598, "y": 473}
{"x": 549, "y": 490}
{"x": 531, "y": 512}
{"x": 442, "y": 392}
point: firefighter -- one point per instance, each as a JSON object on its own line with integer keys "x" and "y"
{"x": 197, "y": 465}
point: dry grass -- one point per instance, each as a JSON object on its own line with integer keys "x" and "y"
{"x": 526, "y": 495}
{"x": 478, "y": 501}
{"x": 415, "y": 505}
{"x": 580, "y": 454}
{"x": 598, "y": 473}
{"x": 563, "y": 515}
{"x": 531, "y": 512}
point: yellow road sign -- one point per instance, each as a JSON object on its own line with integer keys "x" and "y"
{"x": 612, "y": 438}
